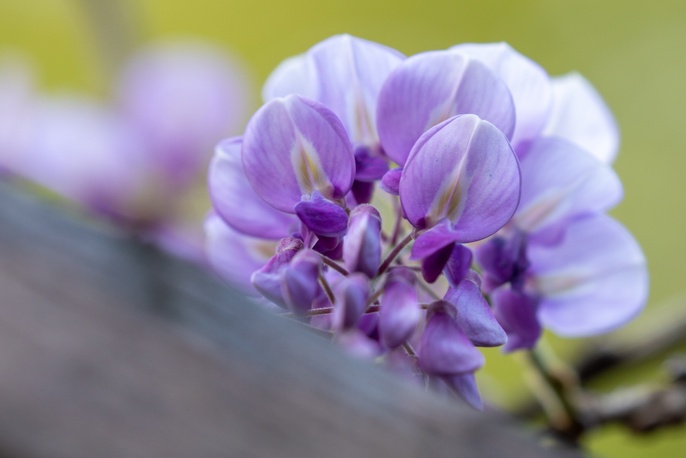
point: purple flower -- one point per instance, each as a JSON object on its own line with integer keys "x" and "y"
{"x": 294, "y": 147}
{"x": 431, "y": 87}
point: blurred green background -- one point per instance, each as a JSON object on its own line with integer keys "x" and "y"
{"x": 632, "y": 51}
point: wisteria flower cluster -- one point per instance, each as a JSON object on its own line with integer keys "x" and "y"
{"x": 418, "y": 208}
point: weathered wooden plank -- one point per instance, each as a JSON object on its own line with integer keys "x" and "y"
{"x": 110, "y": 348}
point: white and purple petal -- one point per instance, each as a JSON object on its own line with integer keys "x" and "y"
{"x": 444, "y": 348}
{"x": 474, "y": 315}
{"x": 235, "y": 200}
{"x": 464, "y": 170}
{"x": 593, "y": 281}
{"x": 428, "y": 88}
{"x": 294, "y": 146}
{"x": 581, "y": 116}
{"x": 527, "y": 81}
{"x": 560, "y": 181}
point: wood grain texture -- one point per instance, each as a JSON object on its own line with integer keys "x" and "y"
{"x": 109, "y": 348}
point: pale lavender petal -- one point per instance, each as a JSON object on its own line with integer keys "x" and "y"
{"x": 458, "y": 264}
{"x": 294, "y": 75}
{"x": 183, "y": 97}
{"x": 559, "y": 181}
{"x": 444, "y": 348}
{"x": 351, "y": 294}
{"x": 464, "y": 170}
{"x": 516, "y": 313}
{"x": 465, "y": 386}
{"x": 294, "y": 146}
{"x": 235, "y": 200}
{"x": 581, "y": 116}
{"x": 350, "y": 72}
{"x": 362, "y": 243}
{"x": 321, "y": 216}
{"x": 594, "y": 281}
{"x": 344, "y": 73}
{"x": 233, "y": 255}
{"x": 474, "y": 315}
{"x": 400, "y": 311}
{"x": 528, "y": 83}
{"x": 431, "y": 87}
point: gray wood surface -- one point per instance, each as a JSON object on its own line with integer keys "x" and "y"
{"x": 109, "y": 348}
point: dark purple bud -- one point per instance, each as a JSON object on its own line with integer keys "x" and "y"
{"x": 390, "y": 182}
{"x": 458, "y": 264}
{"x": 474, "y": 315}
{"x": 432, "y": 265}
{"x": 444, "y": 349}
{"x": 362, "y": 243}
{"x": 516, "y": 313}
{"x": 351, "y": 293}
{"x": 322, "y": 216}
{"x": 503, "y": 260}
{"x": 361, "y": 192}
{"x": 400, "y": 310}
{"x": 369, "y": 168}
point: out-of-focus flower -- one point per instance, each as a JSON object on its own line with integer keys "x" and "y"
{"x": 133, "y": 158}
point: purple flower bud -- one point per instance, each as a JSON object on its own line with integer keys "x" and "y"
{"x": 457, "y": 267}
{"x": 357, "y": 343}
{"x": 503, "y": 259}
{"x": 321, "y": 216}
{"x": 362, "y": 244}
{"x": 294, "y": 147}
{"x": 516, "y": 312}
{"x": 465, "y": 171}
{"x": 465, "y": 387}
{"x": 444, "y": 348}
{"x": 474, "y": 315}
{"x": 351, "y": 294}
{"x": 390, "y": 182}
{"x": 400, "y": 311}
{"x": 267, "y": 280}
{"x": 299, "y": 282}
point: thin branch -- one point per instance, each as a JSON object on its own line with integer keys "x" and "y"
{"x": 396, "y": 251}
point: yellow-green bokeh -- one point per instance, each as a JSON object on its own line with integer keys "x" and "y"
{"x": 632, "y": 51}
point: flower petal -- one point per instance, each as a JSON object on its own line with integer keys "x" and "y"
{"x": 444, "y": 348}
{"x": 581, "y": 116}
{"x": 560, "y": 181}
{"x": 428, "y": 88}
{"x": 458, "y": 265}
{"x": 351, "y": 300}
{"x": 400, "y": 311}
{"x": 322, "y": 216}
{"x": 362, "y": 243}
{"x": 464, "y": 170}
{"x": 594, "y": 281}
{"x": 235, "y": 200}
{"x": 516, "y": 313}
{"x": 233, "y": 255}
{"x": 299, "y": 281}
{"x": 465, "y": 387}
{"x": 294, "y": 146}
{"x": 528, "y": 83}
{"x": 474, "y": 315}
